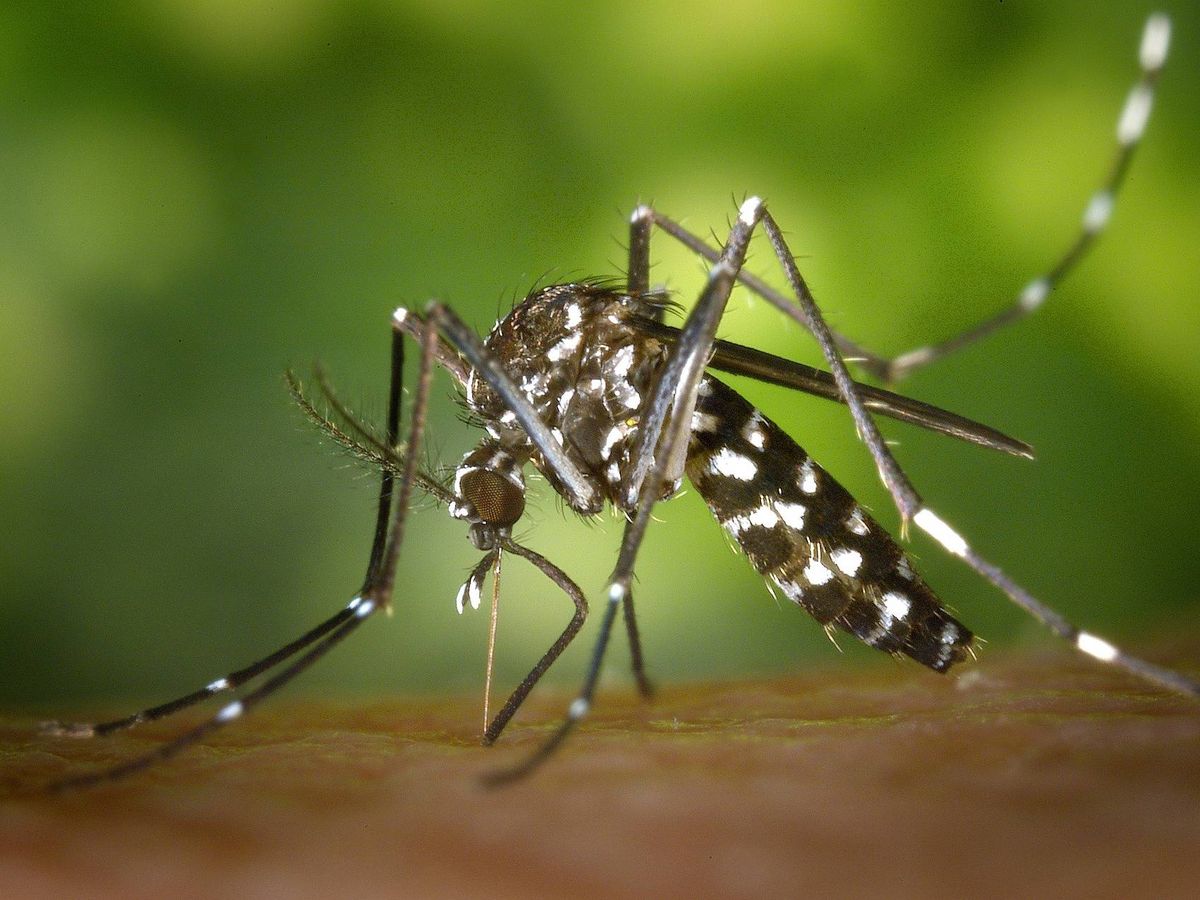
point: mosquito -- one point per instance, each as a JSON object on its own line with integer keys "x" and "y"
{"x": 587, "y": 384}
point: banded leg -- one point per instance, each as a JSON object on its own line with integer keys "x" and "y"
{"x": 1131, "y": 126}
{"x": 375, "y": 593}
{"x": 657, "y": 462}
{"x": 912, "y": 507}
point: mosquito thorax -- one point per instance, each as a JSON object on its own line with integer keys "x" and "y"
{"x": 578, "y": 355}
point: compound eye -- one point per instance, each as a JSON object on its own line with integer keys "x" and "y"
{"x": 495, "y": 499}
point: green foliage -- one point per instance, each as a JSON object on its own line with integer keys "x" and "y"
{"x": 197, "y": 195}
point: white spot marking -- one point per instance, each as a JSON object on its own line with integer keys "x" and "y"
{"x": 721, "y": 270}
{"x": 792, "y": 514}
{"x": 790, "y": 589}
{"x": 622, "y": 361}
{"x": 904, "y": 569}
{"x": 353, "y": 604}
{"x": 896, "y": 605}
{"x": 1034, "y": 294}
{"x": 221, "y": 684}
{"x": 400, "y": 316}
{"x": 564, "y": 400}
{"x": 1098, "y": 212}
{"x": 1097, "y": 647}
{"x": 764, "y": 517}
{"x": 629, "y": 397}
{"x": 578, "y": 709}
{"x": 808, "y": 477}
{"x": 847, "y": 560}
{"x": 614, "y": 436}
{"x": 817, "y": 573}
{"x": 856, "y": 523}
{"x": 533, "y": 385}
{"x": 365, "y": 609}
{"x": 753, "y": 432}
{"x": 474, "y": 592}
{"x": 230, "y": 712}
{"x": 557, "y": 435}
{"x": 565, "y": 347}
{"x": 750, "y": 211}
{"x": 950, "y": 634}
{"x": 928, "y": 521}
{"x": 732, "y": 465}
{"x": 614, "y": 473}
{"x": 642, "y": 212}
{"x": 574, "y": 315}
{"x": 735, "y": 525}
{"x": 459, "y": 474}
{"x": 704, "y": 423}
{"x": 1156, "y": 39}
{"x": 460, "y": 599}
{"x": 1134, "y": 116}
{"x": 912, "y": 358}
{"x": 616, "y": 592}
{"x": 508, "y": 417}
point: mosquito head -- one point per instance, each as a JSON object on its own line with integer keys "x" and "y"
{"x": 489, "y": 493}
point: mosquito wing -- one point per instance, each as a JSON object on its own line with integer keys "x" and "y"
{"x": 741, "y": 360}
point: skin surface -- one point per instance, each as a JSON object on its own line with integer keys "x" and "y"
{"x": 1039, "y": 775}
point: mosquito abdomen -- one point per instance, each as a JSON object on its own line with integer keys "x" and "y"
{"x": 804, "y": 531}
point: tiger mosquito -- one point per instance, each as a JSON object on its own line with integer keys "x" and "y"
{"x": 585, "y": 382}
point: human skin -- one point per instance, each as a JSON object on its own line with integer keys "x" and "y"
{"x": 1041, "y": 775}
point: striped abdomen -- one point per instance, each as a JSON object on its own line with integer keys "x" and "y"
{"x": 805, "y": 532}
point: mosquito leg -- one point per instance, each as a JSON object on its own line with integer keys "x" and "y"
{"x": 1131, "y": 125}
{"x": 675, "y": 394}
{"x": 912, "y": 507}
{"x": 640, "y": 225}
{"x": 236, "y": 679}
{"x": 375, "y": 593}
{"x": 226, "y": 714}
{"x": 748, "y": 279}
{"x": 663, "y": 435}
{"x": 907, "y": 500}
{"x": 230, "y": 682}
{"x": 568, "y": 587}
{"x": 637, "y": 661}
{"x": 575, "y": 712}
{"x": 381, "y": 574}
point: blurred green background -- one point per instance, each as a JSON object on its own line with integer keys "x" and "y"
{"x": 196, "y": 195}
